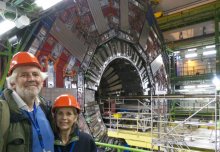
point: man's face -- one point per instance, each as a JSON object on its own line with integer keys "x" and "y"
{"x": 28, "y": 81}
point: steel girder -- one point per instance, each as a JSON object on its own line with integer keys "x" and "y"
{"x": 190, "y": 16}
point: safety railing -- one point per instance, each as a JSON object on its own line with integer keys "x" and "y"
{"x": 195, "y": 68}
{"x": 119, "y": 148}
{"x": 139, "y": 117}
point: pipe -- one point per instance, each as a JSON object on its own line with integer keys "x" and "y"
{"x": 167, "y": 96}
{"x": 9, "y": 55}
{"x": 119, "y": 148}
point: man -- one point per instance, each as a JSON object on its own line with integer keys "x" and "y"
{"x": 29, "y": 129}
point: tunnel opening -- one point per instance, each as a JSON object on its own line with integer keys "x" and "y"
{"x": 120, "y": 78}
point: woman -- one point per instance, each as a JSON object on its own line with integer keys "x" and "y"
{"x": 68, "y": 138}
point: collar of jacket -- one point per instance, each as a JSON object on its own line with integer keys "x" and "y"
{"x": 74, "y": 136}
{"x": 21, "y": 104}
{"x": 16, "y": 114}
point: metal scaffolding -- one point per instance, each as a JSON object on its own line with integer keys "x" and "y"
{"x": 186, "y": 132}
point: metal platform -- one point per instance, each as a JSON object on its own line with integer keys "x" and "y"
{"x": 133, "y": 138}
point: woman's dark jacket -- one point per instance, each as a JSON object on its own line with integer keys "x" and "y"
{"x": 83, "y": 142}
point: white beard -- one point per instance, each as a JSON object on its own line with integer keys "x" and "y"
{"x": 28, "y": 93}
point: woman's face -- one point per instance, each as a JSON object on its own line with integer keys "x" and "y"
{"x": 65, "y": 118}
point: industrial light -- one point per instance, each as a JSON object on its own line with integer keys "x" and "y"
{"x": 211, "y": 52}
{"x": 45, "y": 4}
{"x": 183, "y": 90}
{"x": 191, "y": 55}
{"x": 13, "y": 40}
{"x": 216, "y": 82}
{"x": 203, "y": 86}
{"x": 193, "y": 49}
{"x": 189, "y": 87}
{"x": 178, "y": 57}
{"x": 209, "y": 46}
{"x": 6, "y": 25}
{"x": 22, "y": 21}
{"x": 176, "y": 52}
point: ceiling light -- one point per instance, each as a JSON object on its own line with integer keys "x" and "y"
{"x": 176, "y": 52}
{"x": 45, "y": 4}
{"x": 216, "y": 82}
{"x": 178, "y": 57}
{"x": 6, "y": 25}
{"x": 193, "y": 49}
{"x": 191, "y": 55}
{"x": 2, "y": 6}
{"x": 22, "y": 21}
{"x": 210, "y": 46}
{"x": 183, "y": 90}
{"x": 211, "y": 52}
{"x": 13, "y": 40}
{"x": 203, "y": 86}
{"x": 189, "y": 87}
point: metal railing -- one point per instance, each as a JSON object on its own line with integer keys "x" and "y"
{"x": 120, "y": 148}
{"x": 139, "y": 116}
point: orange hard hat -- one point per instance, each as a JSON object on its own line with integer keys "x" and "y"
{"x": 65, "y": 100}
{"x": 23, "y": 58}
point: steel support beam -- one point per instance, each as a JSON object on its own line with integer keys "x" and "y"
{"x": 217, "y": 45}
{"x": 98, "y": 16}
{"x": 5, "y": 72}
{"x": 199, "y": 41}
{"x": 166, "y": 96}
{"x": 189, "y": 17}
{"x": 191, "y": 78}
{"x": 124, "y": 23}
